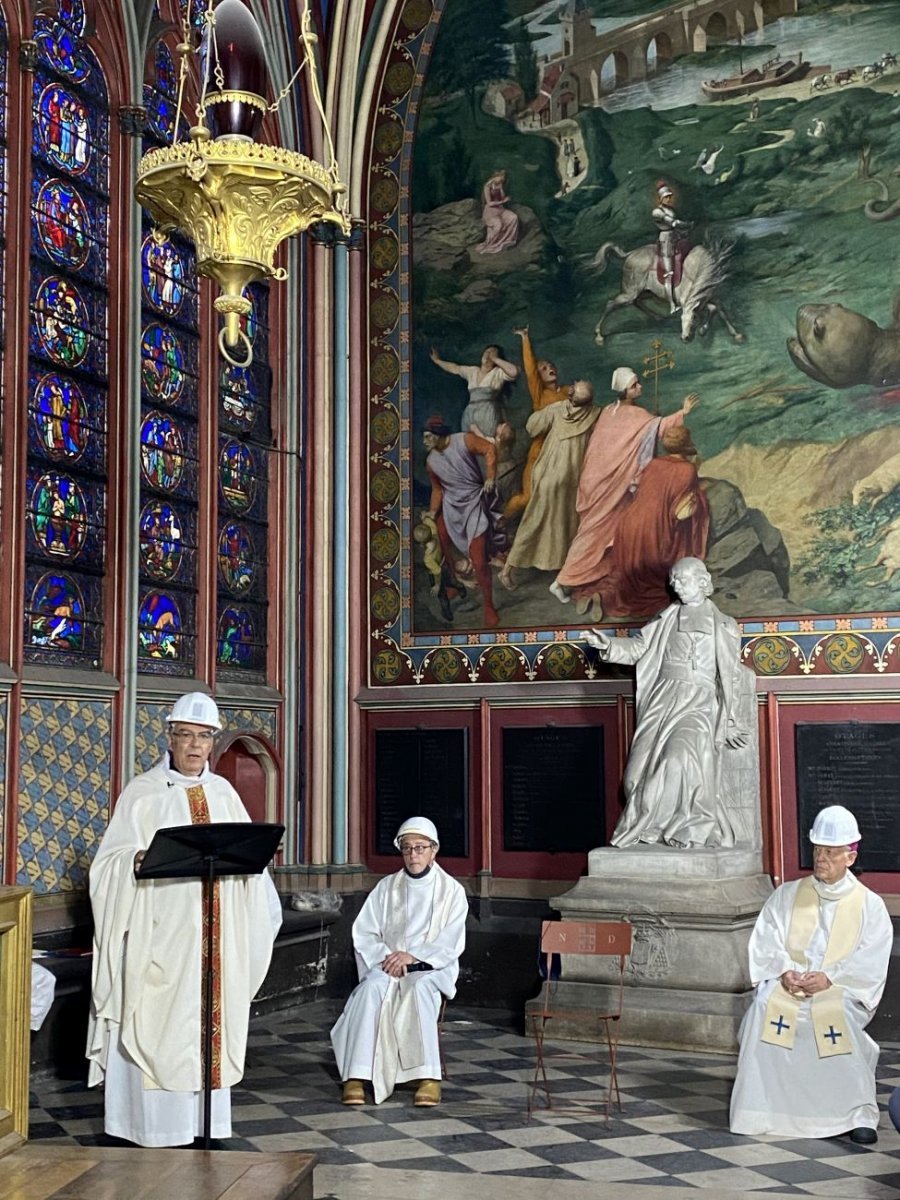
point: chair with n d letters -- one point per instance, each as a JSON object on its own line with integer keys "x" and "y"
{"x": 609, "y": 938}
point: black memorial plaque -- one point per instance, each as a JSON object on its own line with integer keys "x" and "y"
{"x": 422, "y": 773}
{"x": 858, "y": 765}
{"x": 553, "y": 786}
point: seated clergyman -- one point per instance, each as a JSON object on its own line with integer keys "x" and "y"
{"x": 408, "y": 938}
{"x": 819, "y": 957}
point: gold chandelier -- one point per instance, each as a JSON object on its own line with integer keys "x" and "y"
{"x": 236, "y": 198}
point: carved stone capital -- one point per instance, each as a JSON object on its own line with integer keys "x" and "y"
{"x": 28, "y": 54}
{"x": 325, "y": 233}
{"x": 132, "y": 120}
{"x": 357, "y": 239}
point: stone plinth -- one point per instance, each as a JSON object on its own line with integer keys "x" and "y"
{"x": 687, "y": 982}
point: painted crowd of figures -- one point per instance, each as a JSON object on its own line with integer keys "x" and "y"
{"x": 594, "y": 504}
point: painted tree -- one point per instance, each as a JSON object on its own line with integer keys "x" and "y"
{"x": 525, "y": 64}
{"x": 472, "y": 49}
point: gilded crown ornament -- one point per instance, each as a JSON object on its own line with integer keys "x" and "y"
{"x": 235, "y": 197}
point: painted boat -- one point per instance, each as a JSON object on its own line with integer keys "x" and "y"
{"x": 773, "y": 73}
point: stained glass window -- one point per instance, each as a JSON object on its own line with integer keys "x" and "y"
{"x": 169, "y": 435}
{"x": 242, "y": 546}
{"x": 66, "y": 487}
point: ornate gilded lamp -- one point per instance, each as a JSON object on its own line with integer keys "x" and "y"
{"x": 236, "y": 198}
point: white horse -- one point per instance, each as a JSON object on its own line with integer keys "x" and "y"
{"x": 703, "y": 273}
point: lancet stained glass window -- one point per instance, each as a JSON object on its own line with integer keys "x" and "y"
{"x": 169, "y": 435}
{"x": 66, "y": 484}
{"x": 242, "y": 546}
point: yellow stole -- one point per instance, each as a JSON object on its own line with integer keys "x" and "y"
{"x": 832, "y": 1033}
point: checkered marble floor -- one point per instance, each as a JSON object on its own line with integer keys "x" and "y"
{"x": 671, "y": 1130}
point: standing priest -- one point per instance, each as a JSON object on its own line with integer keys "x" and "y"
{"x": 145, "y": 1031}
{"x": 819, "y": 957}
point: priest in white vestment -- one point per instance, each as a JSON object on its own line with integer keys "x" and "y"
{"x": 145, "y": 1031}
{"x": 408, "y": 938}
{"x": 819, "y": 958}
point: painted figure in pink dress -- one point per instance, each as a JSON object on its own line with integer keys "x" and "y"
{"x": 501, "y": 225}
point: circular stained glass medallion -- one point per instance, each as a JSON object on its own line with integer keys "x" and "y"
{"x": 61, "y": 320}
{"x": 162, "y": 363}
{"x": 63, "y": 129}
{"x": 238, "y": 402}
{"x": 161, "y": 540}
{"x": 58, "y": 412}
{"x": 163, "y": 273}
{"x": 159, "y": 627}
{"x": 236, "y": 475}
{"x": 236, "y": 557}
{"x": 235, "y": 638}
{"x": 162, "y": 451}
{"x": 58, "y": 516}
{"x": 63, "y": 224}
{"x": 56, "y": 619}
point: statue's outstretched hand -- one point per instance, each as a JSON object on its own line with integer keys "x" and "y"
{"x": 598, "y": 639}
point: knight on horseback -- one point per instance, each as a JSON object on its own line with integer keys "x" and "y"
{"x": 671, "y": 228}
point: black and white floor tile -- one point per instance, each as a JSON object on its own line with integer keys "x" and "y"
{"x": 672, "y": 1129}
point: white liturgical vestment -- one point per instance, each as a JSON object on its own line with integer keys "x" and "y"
{"x": 144, "y": 1030}
{"x": 798, "y": 1092}
{"x": 388, "y": 1030}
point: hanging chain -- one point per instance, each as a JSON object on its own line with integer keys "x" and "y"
{"x": 309, "y": 39}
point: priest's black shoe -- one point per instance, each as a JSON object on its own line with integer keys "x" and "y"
{"x": 863, "y": 1136}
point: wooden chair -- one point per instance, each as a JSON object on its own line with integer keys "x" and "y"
{"x": 608, "y": 938}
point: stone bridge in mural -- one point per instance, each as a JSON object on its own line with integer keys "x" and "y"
{"x": 681, "y": 29}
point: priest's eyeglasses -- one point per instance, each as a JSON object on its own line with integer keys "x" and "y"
{"x": 204, "y": 736}
{"x": 419, "y": 848}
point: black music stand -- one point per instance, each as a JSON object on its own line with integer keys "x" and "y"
{"x": 206, "y": 852}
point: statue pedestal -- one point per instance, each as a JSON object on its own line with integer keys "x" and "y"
{"x": 687, "y": 982}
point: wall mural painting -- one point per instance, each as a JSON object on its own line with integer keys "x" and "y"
{"x": 652, "y": 273}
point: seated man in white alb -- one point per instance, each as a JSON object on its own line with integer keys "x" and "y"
{"x": 819, "y": 957}
{"x": 43, "y": 990}
{"x": 408, "y": 938}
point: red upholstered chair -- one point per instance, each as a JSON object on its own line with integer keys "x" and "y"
{"x": 608, "y": 938}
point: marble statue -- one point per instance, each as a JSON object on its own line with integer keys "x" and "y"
{"x": 692, "y": 773}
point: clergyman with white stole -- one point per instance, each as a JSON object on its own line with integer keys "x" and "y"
{"x": 819, "y": 958}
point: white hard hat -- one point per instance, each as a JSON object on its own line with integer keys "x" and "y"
{"x": 420, "y": 825}
{"x": 195, "y": 708}
{"x": 834, "y": 826}
{"x": 622, "y": 379}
